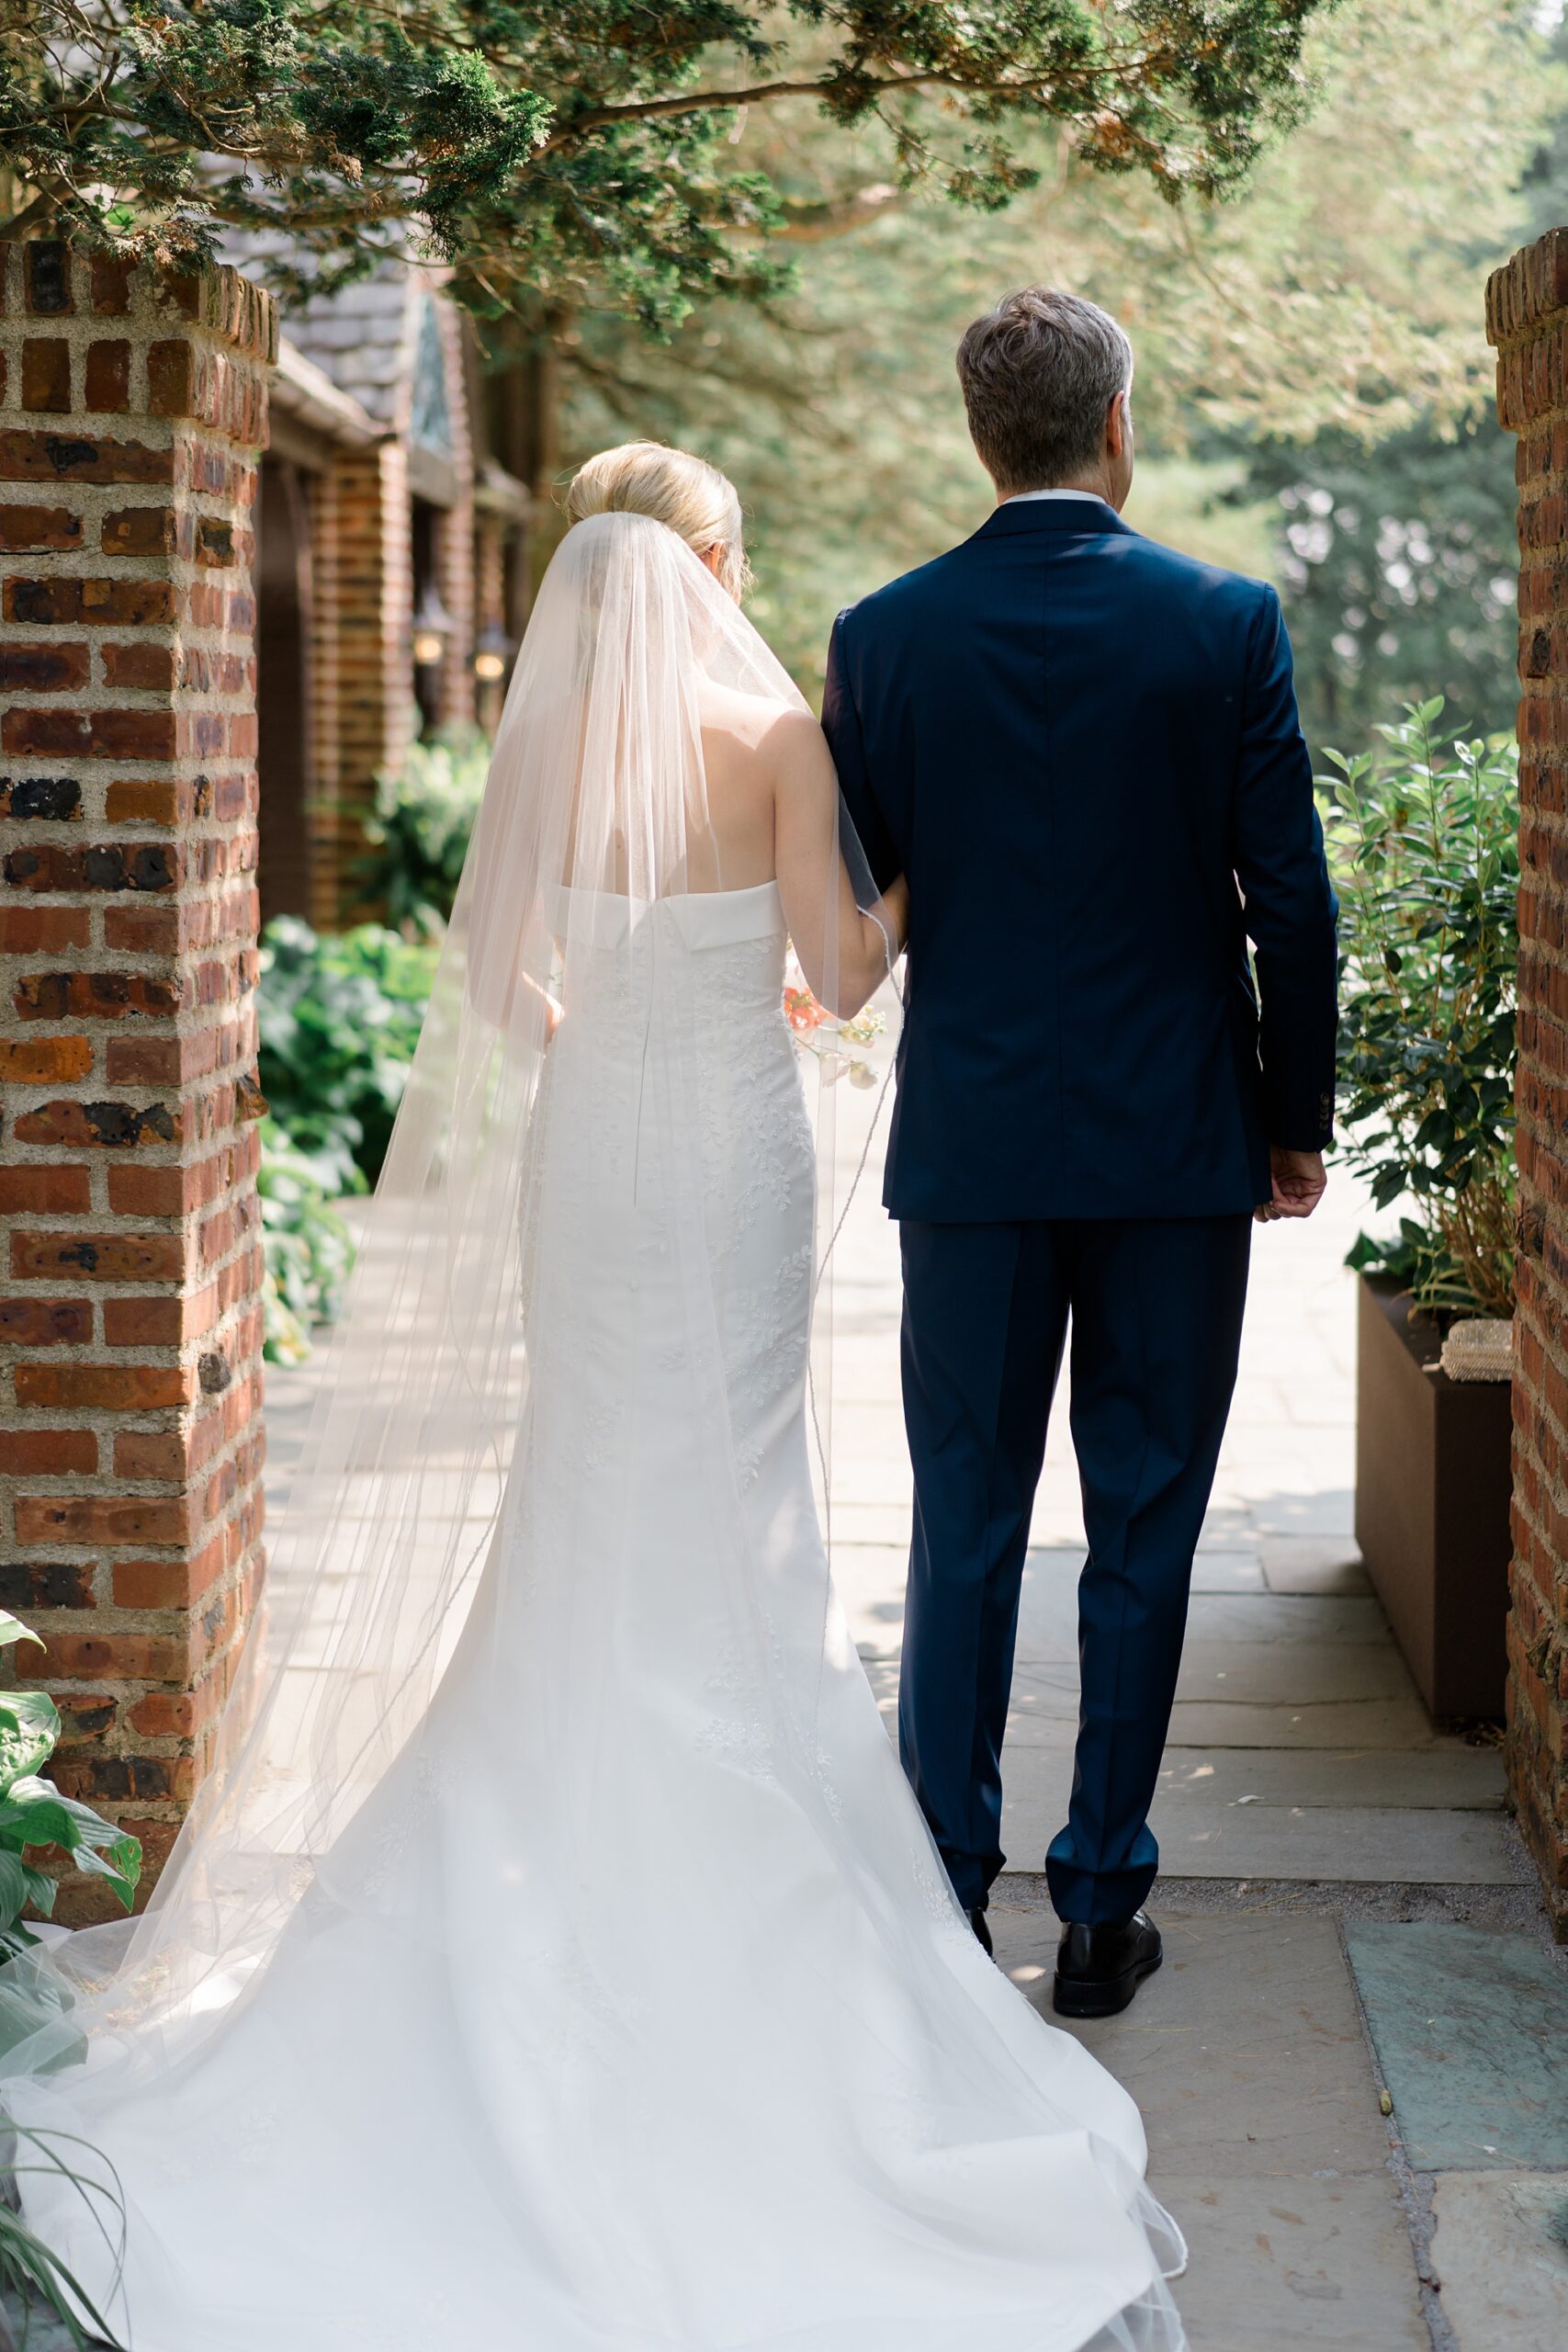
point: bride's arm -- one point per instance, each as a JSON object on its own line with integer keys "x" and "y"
{"x": 497, "y": 981}
{"x": 845, "y": 953}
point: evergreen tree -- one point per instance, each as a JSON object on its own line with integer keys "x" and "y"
{"x": 1397, "y": 568}
{"x": 1397, "y": 560}
{"x": 1338, "y": 294}
{"x": 586, "y": 149}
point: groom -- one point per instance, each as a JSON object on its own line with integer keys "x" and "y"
{"x": 1082, "y": 749}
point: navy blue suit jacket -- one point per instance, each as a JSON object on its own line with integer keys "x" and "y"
{"x": 1083, "y": 751}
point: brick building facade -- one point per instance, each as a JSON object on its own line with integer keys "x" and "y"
{"x": 389, "y": 564}
{"x": 1526, "y": 319}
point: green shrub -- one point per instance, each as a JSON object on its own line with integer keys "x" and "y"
{"x": 419, "y": 835}
{"x": 33, "y": 1813}
{"x": 309, "y": 1251}
{"x": 1425, "y": 841}
{"x": 339, "y": 1017}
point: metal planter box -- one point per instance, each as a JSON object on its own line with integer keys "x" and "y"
{"x": 1433, "y": 1484}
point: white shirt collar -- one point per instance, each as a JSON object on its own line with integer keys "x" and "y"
{"x": 1020, "y": 497}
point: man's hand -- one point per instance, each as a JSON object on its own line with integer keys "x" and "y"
{"x": 1298, "y": 1181}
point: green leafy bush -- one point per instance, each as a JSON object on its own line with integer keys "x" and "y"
{"x": 309, "y": 1251}
{"x": 32, "y": 2277}
{"x": 420, "y": 834}
{"x": 339, "y": 1018}
{"x": 33, "y": 1813}
{"x": 1424, "y": 837}
{"x": 33, "y": 1816}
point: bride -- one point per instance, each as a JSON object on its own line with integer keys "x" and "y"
{"x": 556, "y": 1956}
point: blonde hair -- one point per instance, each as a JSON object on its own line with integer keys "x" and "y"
{"x": 698, "y": 502}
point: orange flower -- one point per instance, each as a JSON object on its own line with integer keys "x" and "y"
{"x": 803, "y": 1010}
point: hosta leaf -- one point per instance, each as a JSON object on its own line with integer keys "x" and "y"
{"x": 37, "y": 1820}
{"x": 13, "y": 1891}
{"x": 48, "y": 1818}
{"x": 41, "y": 1889}
{"x": 29, "y": 1726}
{"x": 121, "y": 1864}
{"x": 16, "y": 1939}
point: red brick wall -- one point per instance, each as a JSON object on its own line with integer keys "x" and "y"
{"x": 131, "y": 413}
{"x": 1527, "y": 318}
{"x": 489, "y": 611}
{"x": 455, "y": 539}
{"x": 363, "y": 712}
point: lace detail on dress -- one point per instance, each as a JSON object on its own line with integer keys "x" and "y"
{"x": 769, "y": 1330}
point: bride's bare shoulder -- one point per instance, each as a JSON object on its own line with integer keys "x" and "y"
{"x": 762, "y": 729}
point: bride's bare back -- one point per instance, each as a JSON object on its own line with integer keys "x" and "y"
{"x": 772, "y": 807}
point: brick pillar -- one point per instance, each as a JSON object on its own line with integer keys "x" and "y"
{"x": 1526, "y": 319}
{"x": 363, "y": 581}
{"x": 489, "y": 611}
{"x": 130, "y": 1433}
{"x": 454, "y": 573}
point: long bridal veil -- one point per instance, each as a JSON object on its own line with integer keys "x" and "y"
{"x": 594, "y": 813}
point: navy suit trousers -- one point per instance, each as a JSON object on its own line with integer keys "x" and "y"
{"x": 1156, "y": 1312}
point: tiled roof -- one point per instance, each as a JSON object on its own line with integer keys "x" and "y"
{"x": 363, "y": 337}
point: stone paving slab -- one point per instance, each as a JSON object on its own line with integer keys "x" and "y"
{"x": 1292, "y": 1618}
{"x": 1311, "y": 1564}
{"x": 1294, "y": 1673}
{"x": 1472, "y": 2033}
{"x": 1500, "y": 2249}
{"x": 1369, "y": 1845}
{"x": 1447, "y": 1776}
{"x": 1398, "y": 1721}
{"x": 1246, "y": 2057}
{"x": 1227, "y": 1606}
{"x": 1277, "y": 2264}
{"x": 1366, "y": 1845}
{"x": 1245, "y": 2053}
{"x": 1303, "y": 1672}
{"x": 1227, "y": 1572}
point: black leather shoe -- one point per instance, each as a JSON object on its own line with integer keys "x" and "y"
{"x": 982, "y": 1933}
{"x": 1100, "y": 1969}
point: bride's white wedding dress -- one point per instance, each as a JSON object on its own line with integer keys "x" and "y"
{"x": 618, "y": 2019}
{"x": 631, "y": 2011}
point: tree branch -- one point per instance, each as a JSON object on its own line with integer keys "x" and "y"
{"x": 1037, "y": 86}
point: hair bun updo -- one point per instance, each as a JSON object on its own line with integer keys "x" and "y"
{"x": 696, "y": 501}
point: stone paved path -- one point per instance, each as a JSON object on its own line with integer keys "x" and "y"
{"x": 1247, "y": 2056}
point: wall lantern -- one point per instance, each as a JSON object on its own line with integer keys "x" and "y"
{"x": 492, "y": 654}
{"x": 432, "y": 628}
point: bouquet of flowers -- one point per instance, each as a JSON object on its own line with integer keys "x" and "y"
{"x": 818, "y": 1033}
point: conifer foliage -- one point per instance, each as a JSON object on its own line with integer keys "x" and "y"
{"x": 589, "y": 146}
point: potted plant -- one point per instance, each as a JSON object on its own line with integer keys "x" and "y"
{"x": 1423, "y": 834}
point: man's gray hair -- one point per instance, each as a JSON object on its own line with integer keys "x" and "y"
{"x": 1039, "y": 373}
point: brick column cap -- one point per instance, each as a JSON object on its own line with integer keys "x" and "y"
{"x": 1527, "y": 288}
{"x": 218, "y": 298}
